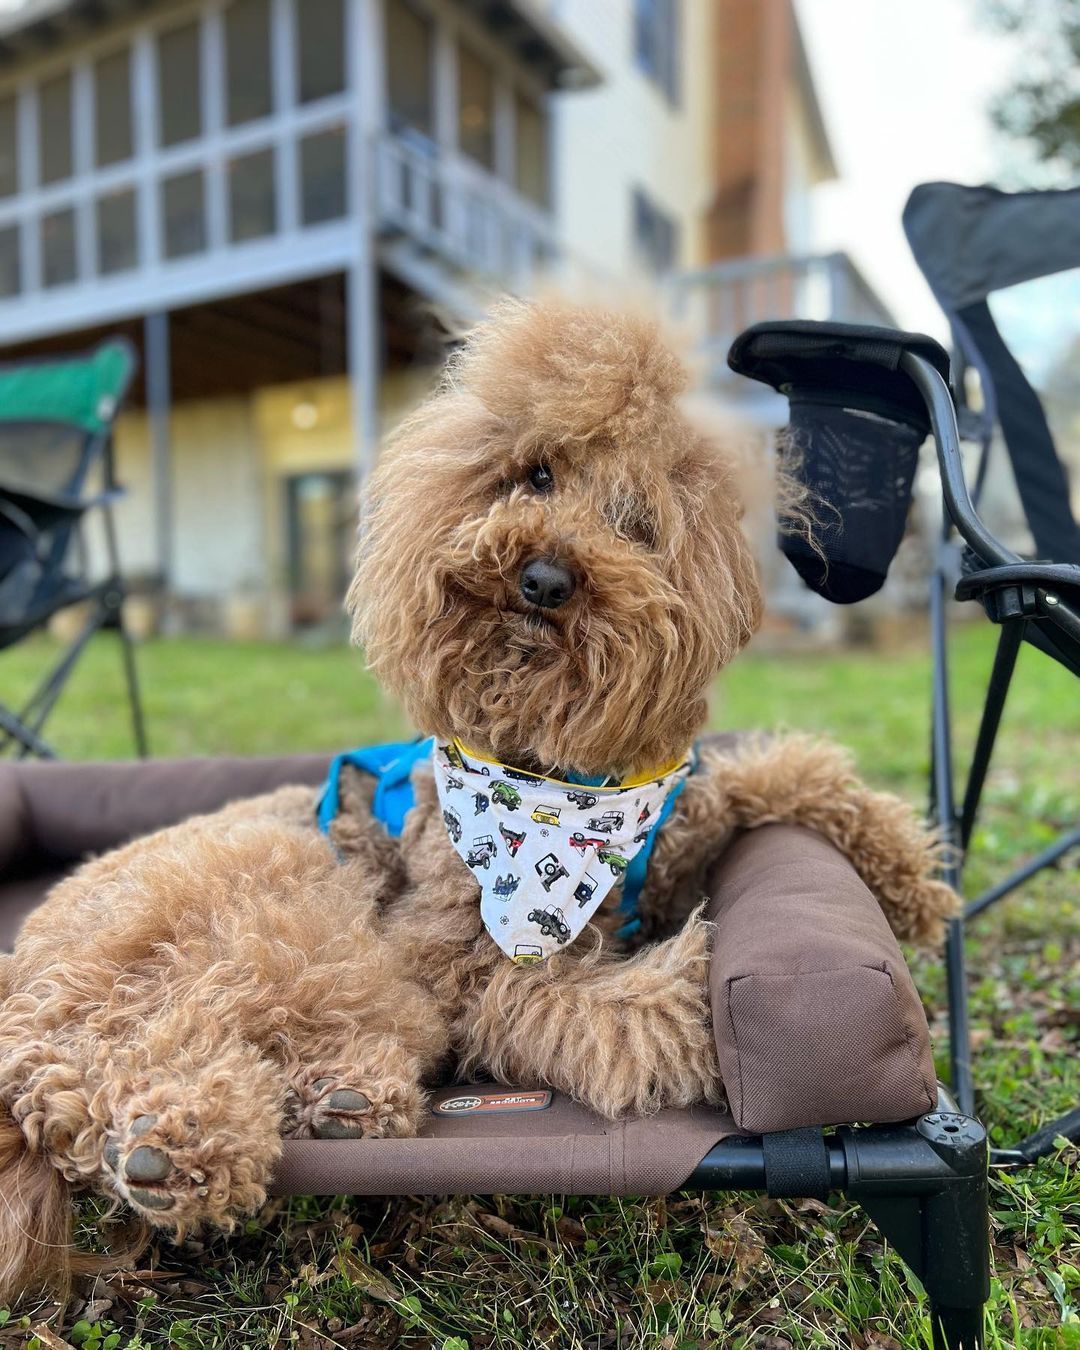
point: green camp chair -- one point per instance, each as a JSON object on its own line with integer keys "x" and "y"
{"x": 56, "y": 420}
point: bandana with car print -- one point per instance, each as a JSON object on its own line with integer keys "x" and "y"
{"x": 545, "y": 853}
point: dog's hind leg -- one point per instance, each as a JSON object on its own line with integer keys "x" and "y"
{"x": 360, "y": 1041}
{"x": 43, "y": 1085}
{"x": 192, "y": 1117}
{"x": 624, "y": 1037}
{"x": 49, "y": 1136}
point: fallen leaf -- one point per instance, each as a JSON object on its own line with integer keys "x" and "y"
{"x": 370, "y": 1280}
{"x": 502, "y": 1228}
{"x": 49, "y": 1338}
{"x": 570, "y": 1230}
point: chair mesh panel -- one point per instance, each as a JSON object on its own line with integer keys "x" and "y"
{"x": 20, "y": 572}
{"x": 41, "y": 458}
{"x": 858, "y": 469}
{"x": 35, "y": 577}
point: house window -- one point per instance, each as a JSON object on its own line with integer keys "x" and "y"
{"x": 247, "y": 57}
{"x": 321, "y": 50}
{"x": 656, "y": 235}
{"x": 322, "y": 176}
{"x": 531, "y": 150}
{"x": 54, "y": 128}
{"x": 112, "y": 108}
{"x": 179, "y": 85}
{"x": 409, "y": 48}
{"x": 476, "y": 108}
{"x": 183, "y": 215}
{"x": 117, "y": 243}
{"x": 10, "y": 266}
{"x": 252, "y": 205}
{"x": 58, "y": 265}
{"x": 9, "y": 148}
{"x": 657, "y": 38}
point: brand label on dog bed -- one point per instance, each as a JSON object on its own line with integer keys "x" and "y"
{"x": 470, "y": 1103}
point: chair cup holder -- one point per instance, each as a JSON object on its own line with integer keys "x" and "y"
{"x": 853, "y": 472}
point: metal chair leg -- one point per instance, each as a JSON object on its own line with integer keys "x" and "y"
{"x": 924, "y": 1185}
{"x": 940, "y": 1230}
{"x": 127, "y": 648}
{"x": 15, "y": 732}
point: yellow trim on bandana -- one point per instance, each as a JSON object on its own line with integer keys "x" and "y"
{"x": 636, "y": 781}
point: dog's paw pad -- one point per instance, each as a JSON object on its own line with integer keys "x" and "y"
{"x": 145, "y": 1199}
{"x": 341, "y": 1114}
{"x": 146, "y": 1174}
{"x": 147, "y": 1164}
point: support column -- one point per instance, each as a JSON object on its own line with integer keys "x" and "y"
{"x": 363, "y": 328}
{"x": 363, "y": 347}
{"x": 158, "y": 411}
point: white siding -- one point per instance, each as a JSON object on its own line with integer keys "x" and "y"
{"x": 625, "y": 134}
{"x": 217, "y": 499}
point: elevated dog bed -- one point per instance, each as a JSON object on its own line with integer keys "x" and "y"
{"x": 817, "y": 1021}
{"x": 816, "y": 1018}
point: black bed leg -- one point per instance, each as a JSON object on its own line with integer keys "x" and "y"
{"x": 926, "y": 1189}
{"x": 956, "y": 1273}
{"x": 955, "y": 1233}
{"x": 957, "y": 1328}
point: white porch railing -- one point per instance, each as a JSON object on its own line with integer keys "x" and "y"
{"x": 720, "y": 301}
{"x": 467, "y": 218}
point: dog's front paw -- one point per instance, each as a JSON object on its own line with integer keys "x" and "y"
{"x": 350, "y": 1103}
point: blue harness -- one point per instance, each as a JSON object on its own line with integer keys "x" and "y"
{"x": 392, "y": 765}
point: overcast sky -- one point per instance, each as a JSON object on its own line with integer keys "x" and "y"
{"x": 904, "y": 89}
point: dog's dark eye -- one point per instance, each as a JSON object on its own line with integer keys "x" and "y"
{"x": 641, "y": 530}
{"x": 541, "y": 477}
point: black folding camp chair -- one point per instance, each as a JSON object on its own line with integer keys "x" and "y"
{"x": 56, "y": 466}
{"x": 862, "y": 400}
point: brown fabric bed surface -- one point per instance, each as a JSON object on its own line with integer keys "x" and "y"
{"x": 563, "y": 1149}
{"x": 52, "y": 815}
{"x": 816, "y": 1017}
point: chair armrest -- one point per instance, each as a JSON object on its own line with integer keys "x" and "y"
{"x": 816, "y": 1018}
{"x": 851, "y": 364}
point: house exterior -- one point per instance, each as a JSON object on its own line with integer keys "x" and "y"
{"x": 631, "y": 152}
{"x": 286, "y": 204}
{"x": 767, "y": 150}
{"x": 272, "y": 198}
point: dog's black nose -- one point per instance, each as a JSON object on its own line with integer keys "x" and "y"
{"x": 546, "y": 583}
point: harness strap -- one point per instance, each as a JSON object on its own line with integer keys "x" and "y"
{"x": 638, "y": 868}
{"x": 391, "y": 765}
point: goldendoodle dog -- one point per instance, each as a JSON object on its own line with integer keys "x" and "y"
{"x": 551, "y": 572}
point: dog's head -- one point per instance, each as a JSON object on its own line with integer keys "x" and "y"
{"x": 551, "y": 565}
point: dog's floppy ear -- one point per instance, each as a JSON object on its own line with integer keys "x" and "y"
{"x": 569, "y": 372}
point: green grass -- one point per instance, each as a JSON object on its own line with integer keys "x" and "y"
{"x": 718, "y": 1271}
